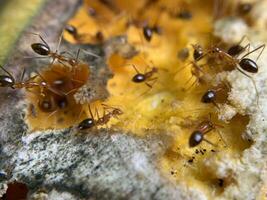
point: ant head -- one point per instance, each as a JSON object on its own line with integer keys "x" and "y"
{"x": 62, "y": 102}
{"x": 209, "y": 96}
{"x": 41, "y": 49}
{"x": 244, "y": 8}
{"x": 195, "y": 138}
{"x": 198, "y": 52}
{"x": 148, "y": 33}
{"x": 86, "y": 124}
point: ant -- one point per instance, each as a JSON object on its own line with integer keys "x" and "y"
{"x": 244, "y": 8}
{"x": 73, "y": 31}
{"x": 47, "y": 103}
{"x": 210, "y": 95}
{"x": 145, "y": 77}
{"x": 236, "y": 49}
{"x": 242, "y": 64}
{"x": 91, "y": 122}
{"x": 44, "y": 50}
{"x": 149, "y": 30}
{"x": 9, "y": 81}
{"x": 196, "y": 69}
{"x": 184, "y": 14}
{"x": 197, "y": 136}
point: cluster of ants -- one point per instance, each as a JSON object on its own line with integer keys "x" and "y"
{"x": 38, "y": 81}
{"x": 231, "y": 56}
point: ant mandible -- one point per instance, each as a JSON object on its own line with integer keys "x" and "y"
{"x": 92, "y": 122}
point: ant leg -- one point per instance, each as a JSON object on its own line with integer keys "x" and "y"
{"x": 262, "y": 47}
{"x": 184, "y": 67}
{"x": 59, "y": 41}
{"x": 69, "y": 92}
{"x": 51, "y": 114}
{"x": 90, "y": 111}
{"x": 153, "y": 82}
{"x": 77, "y": 55}
{"x": 209, "y": 142}
{"x": 136, "y": 70}
{"x": 35, "y": 57}
{"x": 150, "y": 85}
{"x": 97, "y": 114}
{"x": 90, "y": 53}
{"x": 22, "y": 75}
{"x": 247, "y": 47}
{"x": 66, "y": 52}
{"x": 190, "y": 87}
{"x": 256, "y": 90}
{"x": 220, "y": 135}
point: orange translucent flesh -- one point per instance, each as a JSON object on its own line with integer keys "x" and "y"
{"x": 172, "y": 106}
{"x": 58, "y": 117}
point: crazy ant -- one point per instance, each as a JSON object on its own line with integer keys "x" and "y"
{"x": 73, "y": 31}
{"x": 242, "y": 64}
{"x": 184, "y": 14}
{"x": 145, "y": 77}
{"x": 9, "y": 81}
{"x": 44, "y": 50}
{"x": 92, "y": 122}
{"x": 196, "y": 69}
{"x": 197, "y": 136}
{"x": 149, "y": 30}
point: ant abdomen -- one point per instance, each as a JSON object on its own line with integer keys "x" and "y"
{"x": 6, "y": 81}
{"x": 139, "y": 78}
{"x": 195, "y": 138}
{"x": 248, "y": 65}
{"x": 86, "y": 124}
{"x": 40, "y": 49}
